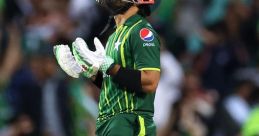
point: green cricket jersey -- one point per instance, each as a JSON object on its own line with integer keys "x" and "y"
{"x": 134, "y": 45}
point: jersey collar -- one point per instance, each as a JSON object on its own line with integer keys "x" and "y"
{"x": 133, "y": 19}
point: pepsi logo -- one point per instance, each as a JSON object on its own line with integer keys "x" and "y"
{"x": 146, "y": 35}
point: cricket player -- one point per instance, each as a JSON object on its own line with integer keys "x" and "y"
{"x": 129, "y": 68}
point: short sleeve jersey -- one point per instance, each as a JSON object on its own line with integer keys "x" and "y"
{"x": 134, "y": 45}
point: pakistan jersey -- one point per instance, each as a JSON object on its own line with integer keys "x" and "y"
{"x": 134, "y": 45}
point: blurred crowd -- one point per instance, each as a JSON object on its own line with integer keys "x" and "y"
{"x": 209, "y": 59}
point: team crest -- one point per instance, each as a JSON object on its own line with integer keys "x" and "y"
{"x": 146, "y": 35}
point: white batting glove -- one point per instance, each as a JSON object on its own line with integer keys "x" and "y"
{"x": 67, "y": 61}
{"x": 97, "y": 60}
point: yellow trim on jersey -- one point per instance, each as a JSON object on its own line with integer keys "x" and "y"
{"x": 142, "y": 131}
{"x": 150, "y": 69}
{"x": 123, "y": 42}
{"x": 108, "y": 52}
{"x": 122, "y": 33}
{"x": 122, "y": 56}
{"x": 126, "y": 100}
{"x": 124, "y": 28}
{"x": 105, "y": 93}
{"x": 119, "y": 104}
{"x": 118, "y": 28}
{"x": 132, "y": 103}
{"x": 106, "y": 97}
{"x": 100, "y": 108}
{"x": 113, "y": 112}
{"x": 123, "y": 60}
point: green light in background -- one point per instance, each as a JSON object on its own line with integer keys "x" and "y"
{"x": 2, "y": 4}
{"x": 251, "y": 127}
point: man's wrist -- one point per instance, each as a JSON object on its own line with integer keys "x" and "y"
{"x": 114, "y": 68}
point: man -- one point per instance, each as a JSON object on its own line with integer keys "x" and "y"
{"x": 129, "y": 66}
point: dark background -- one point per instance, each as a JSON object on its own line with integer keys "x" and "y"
{"x": 209, "y": 58}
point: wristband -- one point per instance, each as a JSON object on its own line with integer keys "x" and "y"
{"x": 129, "y": 79}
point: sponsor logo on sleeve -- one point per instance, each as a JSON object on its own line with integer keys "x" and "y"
{"x": 146, "y": 35}
{"x": 148, "y": 44}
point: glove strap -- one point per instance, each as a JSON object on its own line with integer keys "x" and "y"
{"x": 91, "y": 71}
{"x": 108, "y": 62}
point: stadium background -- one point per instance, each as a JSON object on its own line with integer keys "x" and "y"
{"x": 209, "y": 57}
